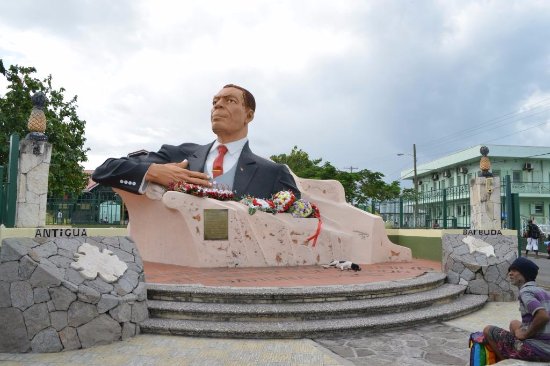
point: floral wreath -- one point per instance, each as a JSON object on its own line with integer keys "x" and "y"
{"x": 220, "y": 194}
{"x": 283, "y": 201}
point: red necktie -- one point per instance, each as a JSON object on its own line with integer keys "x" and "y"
{"x": 217, "y": 169}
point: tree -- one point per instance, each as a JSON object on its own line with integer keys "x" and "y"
{"x": 408, "y": 194}
{"x": 65, "y": 130}
{"x": 360, "y": 187}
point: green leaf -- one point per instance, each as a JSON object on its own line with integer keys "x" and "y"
{"x": 360, "y": 187}
{"x": 65, "y": 130}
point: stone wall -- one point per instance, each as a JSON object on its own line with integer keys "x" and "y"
{"x": 46, "y": 305}
{"x": 482, "y": 274}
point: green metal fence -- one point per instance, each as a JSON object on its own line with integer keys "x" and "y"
{"x": 101, "y": 209}
{"x": 441, "y": 208}
{"x": 8, "y": 184}
{"x": 449, "y": 208}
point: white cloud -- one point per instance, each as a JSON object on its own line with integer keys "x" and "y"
{"x": 350, "y": 82}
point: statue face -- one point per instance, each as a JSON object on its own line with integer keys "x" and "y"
{"x": 229, "y": 116}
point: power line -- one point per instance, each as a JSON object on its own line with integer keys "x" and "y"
{"x": 472, "y": 132}
{"x": 496, "y": 120}
{"x": 535, "y": 109}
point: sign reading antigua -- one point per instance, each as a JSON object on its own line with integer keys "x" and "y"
{"x": 60, "y": 233}
{"x": 481, "y": 232}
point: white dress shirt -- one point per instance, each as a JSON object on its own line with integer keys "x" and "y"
{"x": 229, "y": 160}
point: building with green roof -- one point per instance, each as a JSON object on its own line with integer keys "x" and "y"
{"x": 527, "y": 166}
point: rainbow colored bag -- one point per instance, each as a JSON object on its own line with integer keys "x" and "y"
{"x": 480, "y": 353}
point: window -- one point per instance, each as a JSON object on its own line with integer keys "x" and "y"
{"x": 537, "y": 208}
{"x": 496, "y": 173}
{"x": 516, "y": 176}
{"x": 451, "y": 181}
{"x": 458, "y": 180}
{"x": 462, "y": 210}
{"x": 441, "y": 184}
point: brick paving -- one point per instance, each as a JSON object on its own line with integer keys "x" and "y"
{"x": 286, "y": 276}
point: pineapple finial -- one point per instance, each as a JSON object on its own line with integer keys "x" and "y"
{"x": 484, "y": 162}
{"x": 37, "y": 119}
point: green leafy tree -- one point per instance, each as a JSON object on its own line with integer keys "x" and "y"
{"x": 408, "y": 194}
{"x": 65, "y": 130}
{"x": 360, "y": 187}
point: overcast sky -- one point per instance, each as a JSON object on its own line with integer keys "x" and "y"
{"x": 352, "y": 82}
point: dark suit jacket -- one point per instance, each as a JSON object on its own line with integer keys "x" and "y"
{"x": 255, "y": 175}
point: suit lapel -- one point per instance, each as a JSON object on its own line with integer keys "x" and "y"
{"x": 198, "y": 158}
{"x": 246, "y": 168}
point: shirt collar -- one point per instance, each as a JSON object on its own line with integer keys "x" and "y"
{"x": 232, "y": 147}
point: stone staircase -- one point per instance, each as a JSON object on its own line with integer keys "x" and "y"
{"x": 304, "y": 312}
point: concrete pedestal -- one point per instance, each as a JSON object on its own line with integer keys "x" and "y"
{"x": 485, "y": 203}
{"x": 172, "y": 231}
{"x": 32, "y": 183}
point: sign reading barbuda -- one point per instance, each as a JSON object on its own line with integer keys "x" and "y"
{"x": 481, "y": 232}
{"x": 60, "y": 233}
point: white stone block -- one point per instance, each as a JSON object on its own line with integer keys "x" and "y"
{"x": 21, "y": 188}
{"x": 32, "y": 183}
{"x": 27, "y": 215}
{"x": 92, "y": 262}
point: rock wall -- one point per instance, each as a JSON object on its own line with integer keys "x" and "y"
{"x": 46, "y": 305}
{"x": 482, "y": 274}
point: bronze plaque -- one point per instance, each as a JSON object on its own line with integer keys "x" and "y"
{"x": 216, "y": 224}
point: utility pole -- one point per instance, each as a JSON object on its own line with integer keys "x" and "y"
{"x": 415, "y": 187}
{"x": 415, "y": 181}
{"x": 351, "y": 168}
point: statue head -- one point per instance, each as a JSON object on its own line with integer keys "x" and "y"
{"x": 232, "y": 110}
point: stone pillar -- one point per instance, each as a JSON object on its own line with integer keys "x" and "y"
{"x": 32, "y": 183}
{"x": 485, "y": 203}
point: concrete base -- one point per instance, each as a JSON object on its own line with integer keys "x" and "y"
{"x": 171, "y": 231}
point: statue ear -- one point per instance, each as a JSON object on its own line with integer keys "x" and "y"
{"x": 249, "y": 115}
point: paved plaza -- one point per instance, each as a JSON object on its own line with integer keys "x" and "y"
{"x": 433, "y": 344}
{"x": 443, "y": 343}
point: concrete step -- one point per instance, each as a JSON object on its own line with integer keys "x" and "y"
{"x": 273, "y": 295}
{"x": 314, "y": 328}
{"x": 303, "y": 311}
